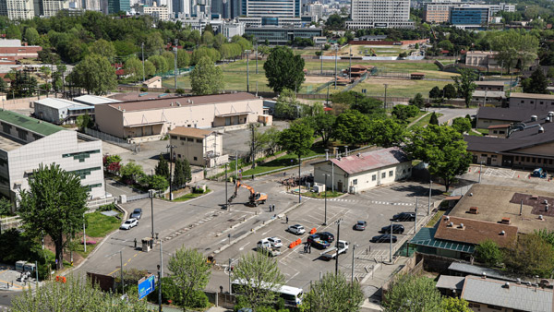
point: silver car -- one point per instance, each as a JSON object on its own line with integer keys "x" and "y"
{"x": 131, "y": 223}
{"x": 275, "y": 242}
{"x": 297, "y": 229}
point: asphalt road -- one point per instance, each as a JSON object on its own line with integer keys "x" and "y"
{"x": 450, "y": 113}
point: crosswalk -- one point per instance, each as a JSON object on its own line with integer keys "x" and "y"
{"x": 354, "y": 201}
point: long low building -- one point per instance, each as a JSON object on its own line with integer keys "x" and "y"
{"x": 26, "y": 143}
{"x": 152, "y": 118}
{"x": 60, "y": 111}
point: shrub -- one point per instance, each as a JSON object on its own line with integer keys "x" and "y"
{"x": 143, "y": 89}
{"x": 198, "y": 300}
{"x": 180, "y": 91}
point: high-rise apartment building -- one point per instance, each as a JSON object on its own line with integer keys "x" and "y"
{"x": 380, "y": 14}
{"x": 181, "y": 8}
{"x": 271, "y": 10}
{"x": 17, "y": 9}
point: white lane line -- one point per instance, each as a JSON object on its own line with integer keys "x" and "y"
{"x": 242, "y": 247}
{"x": 293, "y": 276}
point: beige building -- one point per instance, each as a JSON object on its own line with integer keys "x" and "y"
{"x": 200, "y": 147}
{"x": 437, "y": 12}
{"x": 151, "y": 118}
{"x": 154, "y": 82}
{"x": 158, "y": 12}
{"x": 541, "y": 102}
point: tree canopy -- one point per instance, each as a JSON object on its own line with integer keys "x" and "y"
{"x": 333, "y": 293}
{"x": 465, "y": 84}
{"x": 297, "y": 139}
{"x": 536, "y": 83}
{"x": 284, "y": 69}
{"x": 411, "y": 293}
{"x": 206, "y": 78}
{"x": 95, "y": 74}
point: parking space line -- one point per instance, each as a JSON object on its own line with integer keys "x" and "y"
{"x": 297, "y": 272}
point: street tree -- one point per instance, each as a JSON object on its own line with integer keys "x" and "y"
{"x": 417, "y": 101}
{"x": 53, "y": 205}
{"x": 131, "y": 172}
{"x": 183, "y": 58}
{"x": 488, "y": 253}
{"x": 96, "y": 74}
{"x": 324, "y": 126}
{"x": 536, "y": 83}
{"x": 31, "y": 35}
{"x": 434, "y": 120}
{"x": 532, "y": 256}
{"x": 461, "y": 124}
{"x": 206, "y": 78}
{"x": 455, "y": 305}
{"x": 411, "y": 293}
{"x": 261, "y": 275}
{"x": 284, "y": 70}
{"x": 84, "y": 121}
{"x": 77, "y": 294}
{"x": 465, "y": 84}
{"x": 133, "y": 68}
{"x": 162, "y": 168}
{"x": 155, "y": 182}
{"x": 287, "y": 106}
{"x": 443, "y": 148}
{"x": 352, "y": 127}
{"x": 187, "y": 170}
{"x": 333, "y": 293}
{"x": 450, "y": 91}
{"x": 159, "y": 62}
{"x": 112, "y": 163}
{"x": 436, "y": 94}
{"x": 298, "y": 140}
{"x": 190, "y": 272}
{"x": 178, "y": 174}
{"x": 386, "y": 133}
{"x": 103, "y": 48}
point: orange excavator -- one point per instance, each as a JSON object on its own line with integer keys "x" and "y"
{"x": 254, "y": 199}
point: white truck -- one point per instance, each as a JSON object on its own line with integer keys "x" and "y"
{"x": 266, "y": 247}
{"x": 332, "y": 252}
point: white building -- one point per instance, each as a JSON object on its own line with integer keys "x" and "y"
{"x": 360, "y": 172}
{"x": 60, "y": 111}
{"x": 380, "y": 14}
{"x": 26, "y": 143}
{"x": 92, "y": 100}
{"x": 17, "y": 9}
{"x": 49, "y": 8}
{"x": 229, "y": 30}
{"x": 200, "y": 147}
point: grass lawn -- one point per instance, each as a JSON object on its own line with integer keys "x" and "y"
{"x": 398, "y": 87}
{"x": 435, "y": 219}
{"x": 100, "y": 225}
{"x": 330, "y": 194}
{"x": 190, "y": 196}
{"x": 281, "y": 162}
{"x": 421, "y": 113}
{"x": 423, "y": 121}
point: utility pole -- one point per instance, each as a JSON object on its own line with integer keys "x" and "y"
{"x": 176, "y": 70}
{"x": 336, "y": 56}
{"x": 226, "y": 201}
{"x": 353, "y": 252}
{"x": 325, "y": 223}
{"x": 415, "y": 219}
{"x": 429, "y": 202}
{"x": 171, "y": 169}
{"x": 391, "y": 232}
{"x": 247, "y": 71}
{"x": 480, "y": 169}
{"x": 230, "y": 289}
{"x": 253, "y": 146}
{"x": 143, "y": 76}
{"x": 159, "y": 290}
{"x": 350, "y": 70}
{"x": 385, "y": 96}
{"x": 337, "y": 257}
{"x": 256, "y": 56}
{"x": 152, "y": 192}
{"x": 333, "y": 177}
{"x": 122, "y": 280}
{"x": 84, "y": 234}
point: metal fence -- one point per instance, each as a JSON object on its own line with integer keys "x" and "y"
{"x": 107, "y": 137}
{"x": 138, "y": 197}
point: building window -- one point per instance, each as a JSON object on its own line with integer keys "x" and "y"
{"x": 374, "y": 177}
{"x": 551, "y": 161}
{"x": 6, "y": 128}
{"x": 183, "y": 139}
{"x": 528, "y": 159}
{"x": 484, "y": 155}
{"x": 90, "y": 187}
{"x": 83, "y": 173}
{"x": 198, "y": 140}
{"x": 494, "y": 132}
{"x": 522, "y": 102}
{"x": 517, "y": 158}
{"x": 533, "y": 159}
{"x": 391, "y": 173}
{"x": 541, "y": 102}
{"x": 355, "y": 182}
{"x": 36, "y": 137}
{"x": 383, "y": 175}
{"x": 195, "y": 158}
{"x": 81, "y": 156}
{"x": 179, "y": 155}
{"x": 190, "y": 139}
{"x": 502, "y": 132}
{"x": 532, "y": 102}
{"x": 174, "y": 137}
{"x": 22, "y": 134}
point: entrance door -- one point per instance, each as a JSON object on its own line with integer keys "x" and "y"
{"x": 339, "y": 186}
{"x": 227, "y": 121}
{"x": 507, "y": 161}
{"x": 488, "y": 161}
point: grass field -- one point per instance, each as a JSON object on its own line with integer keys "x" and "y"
{"x": 398, "y": 87}
{"x": 100, "y": 225}
{"x": 283, "y": 161}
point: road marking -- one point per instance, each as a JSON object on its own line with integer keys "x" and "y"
{"x": 124, "y": 264}
{"x": 135, "y": 255}
{"x": 293, "y": 276}
{"x": 241, "y": 248}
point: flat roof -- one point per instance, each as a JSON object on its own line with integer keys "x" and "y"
{"x": 535, "y": 96}
{"x": 8, "y": 144}
{"x": 490, "y": 83}
{"x": 191, "y": 132}
{"x": 493, "y": 203}
{"x": 475, "y": 231}
{"x": 94, "y": 100}
{"x": 174, "y": 102}
{"x": 29, "y": 123}
{"x": 426, "y": 237}
{"x": 61, "y": 103}
{"x": 451, "y": 282}
{"x": 489, "y": 94}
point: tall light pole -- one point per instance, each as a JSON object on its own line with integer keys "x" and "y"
{"x": 230, "y": 289}
{"x": 143, "y": 76}
{"x": 336, "y": 57}
{"x": 353, "y": 252}
{"x": 429, "y": 202}
{"x": 122, "y": 280}
{"x": 84, "y": 234}
{"x": 325, "y": 223}
{"x": 480, "y": 168}
{"x": 171, "y": 147}
{"x": 226, "y": 197}
{"x": 152, "y": 193}
{"x": 391, "y": 232}
{"x": 176, "y": 70}
{"x": 337, "y": 257}
{"x": 256, "y": 56}
{"x": 350, "y": 70}
{"x": 247, "y": 71}
{"x": 385, "y": 104}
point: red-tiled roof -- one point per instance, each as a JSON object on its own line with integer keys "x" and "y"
{"x": 475, "y": 231}
{"x": 120, "y": 72}
{"x": 371, "y": 160}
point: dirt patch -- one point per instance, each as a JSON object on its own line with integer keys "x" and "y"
{"x": 536, "y": 202}
{"x": 316, "y": 79}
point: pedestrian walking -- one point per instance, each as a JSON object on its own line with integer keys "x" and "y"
{"x": 287, "y": 219}
{"x": 135, "y": 243}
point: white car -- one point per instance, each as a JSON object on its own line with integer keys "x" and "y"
{"x": 297, "y": 229}
{"x": 275, "y": 242}
{"x": 129, "y": 224}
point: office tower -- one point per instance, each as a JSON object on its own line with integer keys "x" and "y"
{"x": 17, "y": 9}
{"x": 380, "y": 14}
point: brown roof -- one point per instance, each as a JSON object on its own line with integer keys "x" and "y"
{"x": 474, "y": 231}
{"x": 153, "y": 79}
{"x": 490, "y": 83}
{"x": 174, "y": 102}
{"x": 499, "y": 126}
{"x": 371, "y": 160}
{"x": 531, "y": 96}
{"x": 191, "y": 132}
{"x": 417, "y": 74}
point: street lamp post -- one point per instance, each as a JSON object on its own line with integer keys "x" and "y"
{"x": 143, "y": 76}
{"x": 159, "y": 290}
{"x": 325, "y": 223}
{"x": 429, "y": 202}
{"x": 336, "y": 56}
{"x": 171, "y": 147}
{"x": 256, "y": 56}
{"x": 247, "y": 71}
{"x": 391, "y": 232}
{"x": 350, "y": 70}
{"x": 480, "y": 169}
{"x": 84, "y": 234}
{"x": 152, "y": 192}
{"x": 226, "y": 201}
{"x": 337, "y": 256}
{"x": 386, "y": 85}
{"x": 175, "y": 73}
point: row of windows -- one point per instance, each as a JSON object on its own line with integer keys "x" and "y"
{"x": 81, "y": 156}
{"x": 533, "y": 102}
{"x": 185, "y": 139}
{"x": 534, "y": 160}
{"x": 83, "y": 173}
{"x": 90, "y": 187}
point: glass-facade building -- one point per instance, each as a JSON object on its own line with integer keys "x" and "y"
{"x": 282, "y": 35}
{"x": 115, "y": 6}
{"x": 469, "y": 16}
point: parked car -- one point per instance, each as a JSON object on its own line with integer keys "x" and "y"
{"x": 137, "y": 214}
{"x": 539, "y": 173}
{"x": 404, "y": 216}
{"x": 275, "y": 242}
{"x": 325, "y": 236}
{"x": 297, "y": 229}
{"x": 396, "y": 229}
{"x": 131, "y": 223}
{"x": 360, "y": 225}
{"x": 383, "y": 238}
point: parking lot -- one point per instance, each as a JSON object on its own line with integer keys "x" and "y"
{"x": 376, "y": 207}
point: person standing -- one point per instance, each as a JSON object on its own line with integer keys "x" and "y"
{"x": 287, "y": 219}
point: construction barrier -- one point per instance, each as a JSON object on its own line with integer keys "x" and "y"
{"x": 313, "y": 231}
{"x": 298, "y": 241}
{"x": 61, "y": 279}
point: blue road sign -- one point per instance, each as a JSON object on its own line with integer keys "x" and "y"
{"x": 146, "y": 286}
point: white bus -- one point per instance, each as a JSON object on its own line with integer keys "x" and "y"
{"x": 291, "y": 295}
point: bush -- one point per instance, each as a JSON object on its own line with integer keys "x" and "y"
{"x": 108, "y": 207}
{"x": 180, "y": 91}
{"x": 199, "y": 300}
{"x": 167, "y": 91}
{"x": 143, "y": 89}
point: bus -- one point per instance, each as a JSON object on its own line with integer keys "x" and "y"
{"x": 291, "y": 295}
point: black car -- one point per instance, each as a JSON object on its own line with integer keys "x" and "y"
{"x": 404, "y": 216}
{"x": 137, "y": 214}
{"x": 326, "y": 236}
{"x": 383, "y": 238}
{"x": 396, "y": 229}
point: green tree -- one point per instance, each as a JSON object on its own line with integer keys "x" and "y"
{"x": 324, "y": 125}
{"x": 155, "y": 182}
{"x": 443, "y": 148}
{"x": 537, "y": 83}
{"x": 261, "y": 274}
{"x": 159, "y": 62}
{"x": 532, "y": 256}
{"x": 149, "y": 69}
{"x": 434, "y": 120}
{"x": 333, "y": 293}
{"x": 5, "y": 207}
{"x": 84, "y": 121}
{"x": 103, "y": 48}
{"x": 488, "y": 253}
{"x": 154, "y": 44}
{"x": 53, "y": 205}
{"x": 170, "y": 59}
{"x": 95, "y": 74}
{"x": 183, "y": 58}
{"x": 449, "y": 91}
{"x": 386, "y": 133}
{"x": 465, "y": 84}
{"x": 178, "y": 174}
{"x": 514, "y": 48}
{"x": 351, "y": 127}
{"x": 31, "y": 35}
{"x": 411, "y": 293}
{"x": 133, "y": 68}
{"x": 455, "y": 305}
{"x": 417, "y": 101}
{"x": 190, "y": 272}
{"x": 206, "y": 78}
{"x": 287, "y": 106}
{"x": 297, "y": 140}
{"x": 284, "y": 70}
{"x": 435, "y": 93}
{"x": 13, "y": 32}
{"x": 162, "y": 168}
{"x": 187, "y": 170}
{"x": 78, "y": 294}
{"x": 131, "y": 172}
{"x": 461, "y": 124}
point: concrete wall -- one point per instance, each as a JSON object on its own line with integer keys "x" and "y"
{"x": 48, "y": 113}
{"x": 547, "y": 105}
{"x": 109, "y": 120}
{"x": 486, "y": 123}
